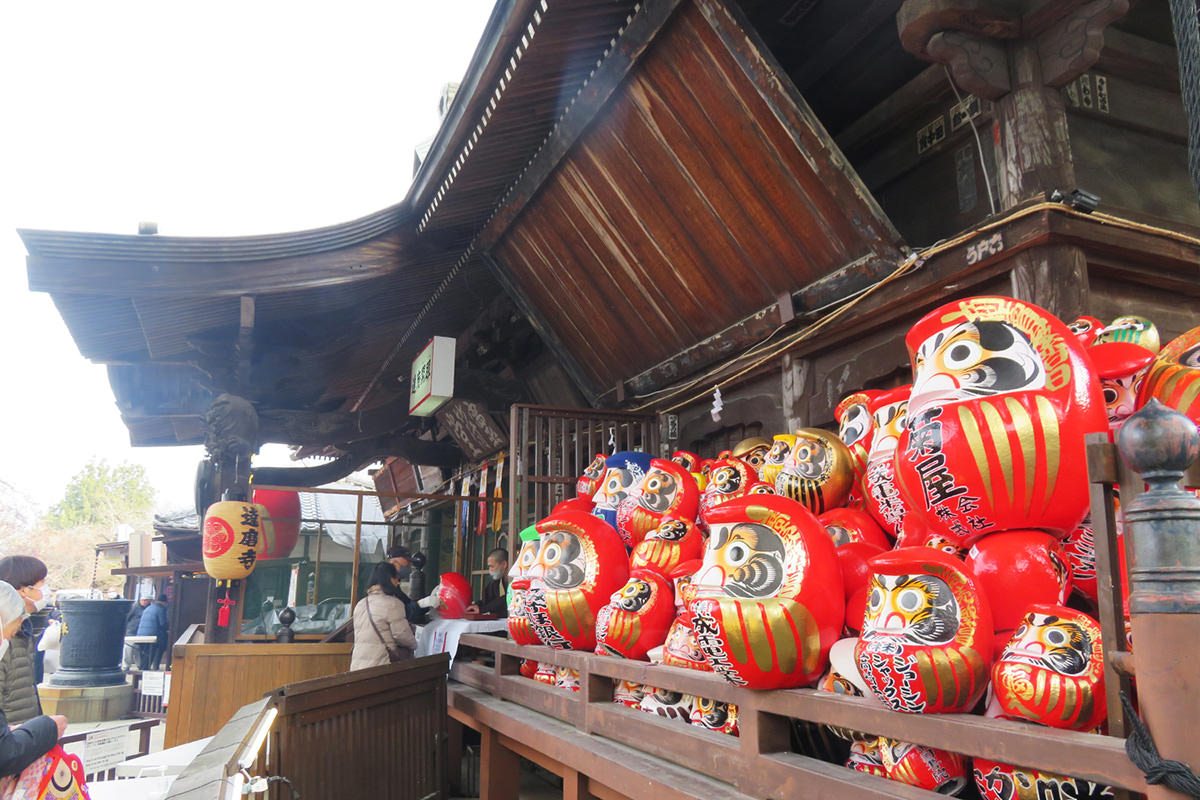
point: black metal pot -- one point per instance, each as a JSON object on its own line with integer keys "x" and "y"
{"x": 92, "y": 639}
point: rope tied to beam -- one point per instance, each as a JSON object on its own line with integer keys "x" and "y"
{"x": 1142, "y": 751}
{"x": 1187, "y": 42}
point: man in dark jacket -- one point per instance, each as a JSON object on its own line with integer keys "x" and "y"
{"x": 154, "y": 623}
{"x": 135, "y": 616}
{"x": 494, "y": 600}
{"x": 26, "y": 743}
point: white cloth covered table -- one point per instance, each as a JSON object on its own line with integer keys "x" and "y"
{"x": 441, "y": 634}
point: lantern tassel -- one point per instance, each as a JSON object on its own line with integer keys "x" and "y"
{"x": 225, "y": 603}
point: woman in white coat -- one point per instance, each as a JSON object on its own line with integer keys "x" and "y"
{"x": 382, "y": 633}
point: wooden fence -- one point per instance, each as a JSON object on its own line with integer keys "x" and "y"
{"x": 378, "y": 733}
{"x": 553, "y": 446}
{"x": 760, "y": 763}
{"x": 209, "y": 682}
{"x": 763, "y": 762}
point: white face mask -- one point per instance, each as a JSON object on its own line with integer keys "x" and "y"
{"x": 42, "y": 601}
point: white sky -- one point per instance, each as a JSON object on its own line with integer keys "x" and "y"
{"x": 213, "y": 118}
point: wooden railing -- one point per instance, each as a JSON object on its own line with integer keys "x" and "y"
{"x": 209, "y": 682}
{"x": 761, "y": 763}
{"x": 210, "y": 774}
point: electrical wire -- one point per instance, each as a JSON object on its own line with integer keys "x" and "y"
{"x": 987, "y": 182}
{"x": 914, "y": 261}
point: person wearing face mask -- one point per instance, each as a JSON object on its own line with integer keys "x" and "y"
{"x": 400, "y": 557}
{"x": 18, "y": 668}
{"x": 382, "y": 634}
{"x": 494, "y": 600}
{"x": 21, "y": 745}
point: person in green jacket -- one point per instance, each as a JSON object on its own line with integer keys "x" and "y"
{"x": 18, "y": 687}
{"x": 22, "y": 747}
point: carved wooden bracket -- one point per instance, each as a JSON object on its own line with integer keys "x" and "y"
{"x": 978, "y": 65}
{"x": 971, "y": 37}
{"x": 1070, "y": 47}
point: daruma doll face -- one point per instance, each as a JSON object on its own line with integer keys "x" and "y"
{"x": 580, "y": 563}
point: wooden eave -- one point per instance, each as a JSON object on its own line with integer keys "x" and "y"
{"x": 686, "y": 187}
{"x": 339, "y": 311}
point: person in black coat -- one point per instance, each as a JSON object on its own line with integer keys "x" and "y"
{"x": 24, "y": 744}
{"x": 494, "y": 600}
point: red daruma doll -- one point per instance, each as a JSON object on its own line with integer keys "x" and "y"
{"x": 637, "y": 617}
{"x": 926, "y": 641}
{"x": 667, "y": 490}
{"x": 580, "y": 563}
{"x": 1052, "y": 671}
{"x": 769, "y": 600}
{"x": 1003, "y": 395}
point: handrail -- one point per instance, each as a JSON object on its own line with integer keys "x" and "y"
{"x": 1091, "y": 756}
{"x": 142, "y": 726}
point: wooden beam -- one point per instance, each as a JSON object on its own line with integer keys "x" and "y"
{"x": 554, "y": 344}
{"x": 637, "y": 37}
{"x": 358, "y": 455}
{"x": 150, "y": 273}
{"x": 245, "y": 345}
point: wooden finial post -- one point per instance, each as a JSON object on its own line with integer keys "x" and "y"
{"x": 1162, "y": 531}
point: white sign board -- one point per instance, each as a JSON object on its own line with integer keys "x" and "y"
{"x": 152, "y": 684}
{"x": 293, "y": 585}
{"x": 103, "y": 750}
{"x": 432, "y": 380}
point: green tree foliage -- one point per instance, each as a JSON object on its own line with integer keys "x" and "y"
{"x": 101, "y": 494}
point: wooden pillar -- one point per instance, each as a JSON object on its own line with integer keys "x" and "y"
{"x": 1162, "y": 531}
{"x": 1016, "y": 55}
{"x": 1033, "y": 145}
{"x": 454, "y": 756}
{"x": 499, "y": 769}
{"x": 575, "y": 786}
{"x": 1054, "y": 278}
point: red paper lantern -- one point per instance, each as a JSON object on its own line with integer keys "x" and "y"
{"x": 281, "y": 523}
